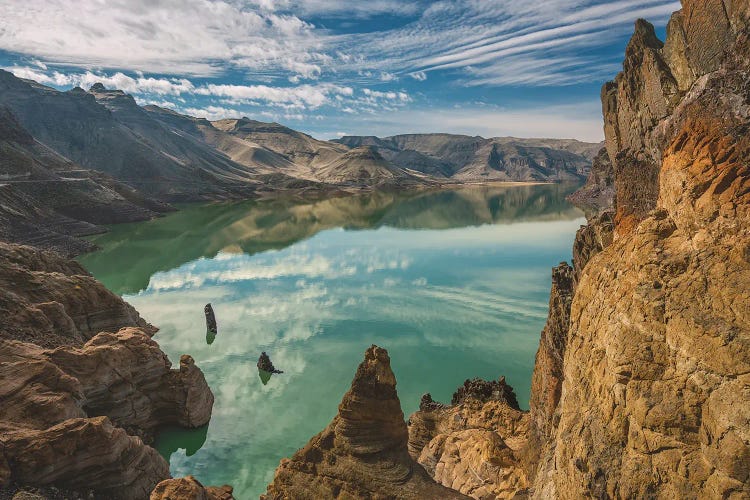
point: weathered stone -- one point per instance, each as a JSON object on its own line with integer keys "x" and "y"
{"x": 363, "y": 451}
{"x": 473, "y": 446}
{"x": 210, "y": 318}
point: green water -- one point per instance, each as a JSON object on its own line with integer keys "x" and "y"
{"x": 454, "y": 284}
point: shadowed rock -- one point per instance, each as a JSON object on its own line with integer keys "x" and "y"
{"x": 68, "y": 410}
{"x": 363, "y": 451}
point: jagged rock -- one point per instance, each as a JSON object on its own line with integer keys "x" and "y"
{"x": 189, "y": 488}
{"x": 592, "y": 239}
{"x": 483, "y": 390}
{"x": 598, "y": 194}
{"x": 85, "y": 453}
{"x": 264, "y": 363}
{"x": 363, "y": 451}
{"x": 473, "y": 445}
{"x": 546, "y": 382}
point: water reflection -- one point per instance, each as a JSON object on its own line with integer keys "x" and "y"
{"x": 210, "y": 337}
{"x": 264, "y": 376}
{"x": 171, "y": 439}
{"x": 257, "y": 226}
{"x": 454, "y": 283}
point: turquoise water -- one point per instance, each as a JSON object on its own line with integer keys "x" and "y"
{"x": 454, "y": 284}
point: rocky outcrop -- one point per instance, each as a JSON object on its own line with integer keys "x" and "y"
{"x": 189, "y": 488}
{"x": 363, "y": 451}
{"x": 51, "y": 301}
{"x": 473, "y": 445}
{"x": 76, "y": 404}
{"x": 598, "y": 194}
{"x": 640, "y": 388}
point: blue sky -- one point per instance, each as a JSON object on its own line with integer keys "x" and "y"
{"x": 529, "y": 68}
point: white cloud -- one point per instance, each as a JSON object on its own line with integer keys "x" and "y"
{"x": 272, "y": 38}
{"x": 138, "y": 85}
{"x": 303, "y": 96}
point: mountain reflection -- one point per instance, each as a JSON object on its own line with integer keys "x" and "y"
{"x": 256, "y": 226}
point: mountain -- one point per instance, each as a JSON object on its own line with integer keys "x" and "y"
{"x": 74, "y": 160}
{"x": 50, "y": 202}
{"x": 466, "y": 158}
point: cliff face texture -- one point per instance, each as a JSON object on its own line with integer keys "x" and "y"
{"x": 75, "y": 399}
{"x": 363, "y": 451}
{"x": 655, "y": 398}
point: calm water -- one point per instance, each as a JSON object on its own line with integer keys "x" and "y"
{"x": 454, "y": 284}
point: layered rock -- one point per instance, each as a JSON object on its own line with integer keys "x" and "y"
{"x": 474, "y": 445}
{"x": 70, "y": 409}
{"x": 363, "y": 451}
{"x": 52, "y": 301}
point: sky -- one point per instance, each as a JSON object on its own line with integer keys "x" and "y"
{"x": 530, "y": 68}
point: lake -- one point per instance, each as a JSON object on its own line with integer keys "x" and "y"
{"x": 454, "y": 284}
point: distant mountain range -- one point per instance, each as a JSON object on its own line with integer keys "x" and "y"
{"x": 72, "y": 160}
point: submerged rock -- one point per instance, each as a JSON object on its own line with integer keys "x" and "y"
{"x": 363, "y": 451}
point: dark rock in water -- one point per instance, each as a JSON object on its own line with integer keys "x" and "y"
{"x": 210, "y": 337}
{"x": 264, "y": 364}
{"x": 210, "y": 319}
{"x": 264, "y": 376}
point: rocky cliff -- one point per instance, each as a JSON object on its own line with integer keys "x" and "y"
{"x": 641, "y": 385}
{"x": 655, "y": 393}
{"x": 363, "y": 451}
{"x": 83, "y": 383}
{"x": 49, "y": 202}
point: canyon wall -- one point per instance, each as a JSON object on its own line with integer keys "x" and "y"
{"x": 83, "y": 384}
{"x": 655, "y": 395}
